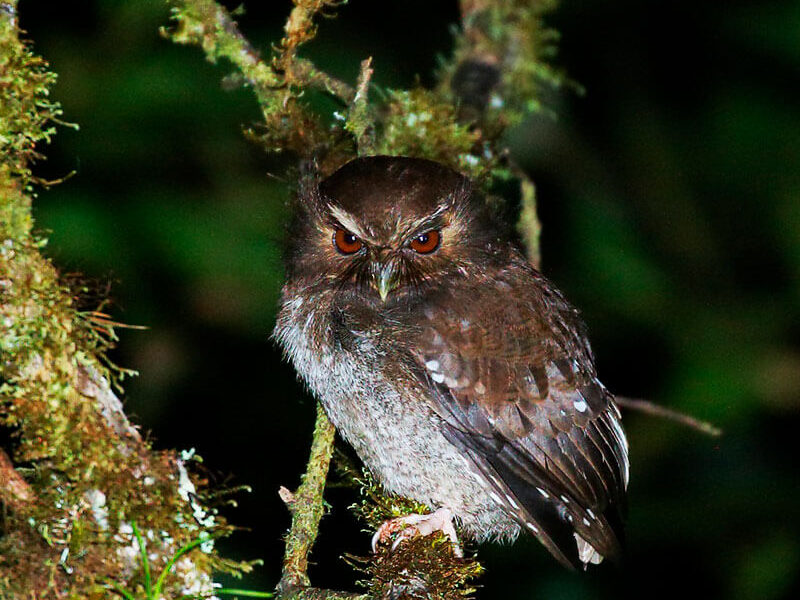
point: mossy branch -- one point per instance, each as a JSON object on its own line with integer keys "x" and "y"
{"x": 307, "y": 508}
{"x": 279, "y": 82}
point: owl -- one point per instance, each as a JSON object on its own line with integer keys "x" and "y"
{"x": 460, "y": 375}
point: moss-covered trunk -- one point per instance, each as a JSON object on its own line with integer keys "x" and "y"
{"x": 76, "y": 476}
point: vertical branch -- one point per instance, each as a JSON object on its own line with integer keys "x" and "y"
{"x": 528, "y": 225}
{"x": 500, "y": 62}
{"x": 359, "y": 122}
{"x": 307, "y": 508}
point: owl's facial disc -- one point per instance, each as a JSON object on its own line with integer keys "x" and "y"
{"x": 390, "y": 229}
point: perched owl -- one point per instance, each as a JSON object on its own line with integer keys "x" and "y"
{"x": 460, "y": 375}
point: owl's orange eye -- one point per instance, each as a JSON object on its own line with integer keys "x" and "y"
{"x": 346, "y": 242}
{"x": 426, "y": 242}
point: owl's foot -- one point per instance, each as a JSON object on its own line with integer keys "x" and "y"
{"x": 412, "y": 525}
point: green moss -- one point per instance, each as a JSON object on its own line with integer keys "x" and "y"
{"x": 512, "y": 37}
{"x": 27, "y": 113}
{"x": 420, "y": 567}
{"x": 89, "y": 474}
{"x": 419, "y": 123}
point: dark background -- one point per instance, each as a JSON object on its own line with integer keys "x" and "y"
{"x": 670, "y": 200}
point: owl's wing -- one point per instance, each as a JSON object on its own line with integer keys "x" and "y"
{"x": 511, "y": 374}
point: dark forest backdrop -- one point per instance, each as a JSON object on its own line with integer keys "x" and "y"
{"x": 670, "y": 199}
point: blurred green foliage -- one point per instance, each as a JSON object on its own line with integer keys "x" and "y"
{"x": 670, "y": 202}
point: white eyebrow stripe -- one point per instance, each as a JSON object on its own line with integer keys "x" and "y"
{"x": 425, "y": 221}
{"x": 348, "y": 221}
{"x": 352, "y": 224}
{"x": 421, "y": 225}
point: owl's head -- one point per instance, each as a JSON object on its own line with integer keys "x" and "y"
{"x": 389, "y": 226}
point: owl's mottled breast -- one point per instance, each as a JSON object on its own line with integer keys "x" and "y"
{"x": 343, "y": 358}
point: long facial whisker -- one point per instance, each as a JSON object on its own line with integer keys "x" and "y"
{"x": 357, "y": 272}
{"x": 419, "y": 273}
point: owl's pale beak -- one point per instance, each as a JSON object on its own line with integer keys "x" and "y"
{"x": 385, "y": 281}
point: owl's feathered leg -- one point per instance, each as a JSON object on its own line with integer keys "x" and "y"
{"x": 412, "y": 525}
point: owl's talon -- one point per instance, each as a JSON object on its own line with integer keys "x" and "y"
{"x": 392, "y": 526}
{"x": 413, "y": 525}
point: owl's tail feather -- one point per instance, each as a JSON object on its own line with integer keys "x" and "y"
{"x": 587, "y": 553}
{"x": 552, "y": 514}
{"x": 559, "y": 513}
{"x": 575, "y": 537}
{"x": 538, "y": 515}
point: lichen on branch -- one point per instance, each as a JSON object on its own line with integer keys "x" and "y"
{"x": 501, "y": 62}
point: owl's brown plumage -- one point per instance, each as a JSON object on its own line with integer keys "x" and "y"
{"x": 460, "y": 375}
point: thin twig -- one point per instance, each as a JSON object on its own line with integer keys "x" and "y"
{"x": 279, "y": 81}
{"x": 528, "y": 225}
{"x": 657, "y": 410}
{"x": 306, "y": 74}
{"x": 300, "y": 72}
{"x": 209, "y": 25}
